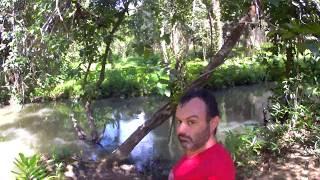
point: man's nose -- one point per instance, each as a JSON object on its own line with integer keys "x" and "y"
{"x": 181, "y": 128}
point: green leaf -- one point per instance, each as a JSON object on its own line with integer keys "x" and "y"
{"x": 167, "y": 93}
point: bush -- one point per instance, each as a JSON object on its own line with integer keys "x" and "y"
{"x": 29, "y": 167}
{"x": 245, "y": 147}
{"x": 136, "y": 76}
{"x": 34, "y": 167}
{"x": 262, "y": 66}
{"x": 70, "y": 88}
{"x": 294, "y": 120}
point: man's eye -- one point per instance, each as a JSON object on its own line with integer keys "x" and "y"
{"x": 190, "y": 123}
{"x": 179, "y": 122}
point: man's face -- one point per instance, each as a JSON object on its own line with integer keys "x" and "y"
{"x": 192, "y": 128}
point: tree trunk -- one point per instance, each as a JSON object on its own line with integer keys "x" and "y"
{"x": 87, "y": 73}
{"x": 220, "y": 56}
{"x": 163, "y": 43}
{"x": 156, "y": 120}
{"x": 78, "y": 129}
{"x": 92, "y": 125}
{"x": 217, "y": 23}
{"x": 289, "y": 61}
{"x": 214, "y": 17}
{"x": 109, "y": 40}
{"x": 103, "y": 65}
{"x": 210, "y": 18}
{"x": 167, "y": 110}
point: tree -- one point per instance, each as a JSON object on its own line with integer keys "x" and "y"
{"x": 167, "y": 110}
{"x": 214, "y": 17}
{"x": 293, "y": 24}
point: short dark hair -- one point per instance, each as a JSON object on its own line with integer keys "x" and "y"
{"x": 207, "y": 97}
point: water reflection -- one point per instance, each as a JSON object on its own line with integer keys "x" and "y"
{"x": 239, "y": 107}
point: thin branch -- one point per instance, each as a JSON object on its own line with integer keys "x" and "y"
{"x": 79, "y": 130}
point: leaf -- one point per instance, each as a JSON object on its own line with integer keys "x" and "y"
{"x": 167, "y": 93}
{"x": 25, "y": 160}
{"x": 33, "y": 160}
{"x": 19, "y": 165}
{"x": 14, "y": 172}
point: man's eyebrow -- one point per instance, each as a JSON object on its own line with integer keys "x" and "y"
{"x": 189, "y": 117}
{"x": 192, "y": 116}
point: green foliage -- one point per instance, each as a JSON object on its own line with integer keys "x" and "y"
{"x": 34, "y": 167}
{"x": 121, "y": 82}
{"x": 233, "y": 9}
{"x": 262, "y": 66}
{"x": 294, "y": 118}
{"x": 59, "y": 154}
{"x": 132, "y": 76}
{"x": 56, "y": 66}
{"x": 29, "y": 167}
{"x": 141, "y": 79}
{"x": 248, "y": 146}
{"x": 290, "y": 20}
{"x": 244, "y": 147}
{"x": 4, "y": 91}
{"x": 4, "y": 95}
{"x": 70, "y": 88}
{"x": 295, "y": 104}
{"x": 297, "y": 98}
{"x": 135, "y": 76}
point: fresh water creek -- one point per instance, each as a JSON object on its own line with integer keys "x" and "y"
{"x": 47, "y": 127}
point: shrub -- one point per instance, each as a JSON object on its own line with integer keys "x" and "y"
{"x": 34, "y": 167}
{"x": 29, "y": 167}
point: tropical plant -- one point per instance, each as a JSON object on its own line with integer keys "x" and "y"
{"x": 29, "y": 167}
{"x": 34, "y": 167}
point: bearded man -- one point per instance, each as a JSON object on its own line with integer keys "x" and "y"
{"x": 197, "y": 119}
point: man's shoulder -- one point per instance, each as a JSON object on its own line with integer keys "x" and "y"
{"x": 213, "y": 162}
{"x": 221, "y": 153}
{"x": 179, "y": 162}
{"x": 222, "y": 159}
{"x": 218, "y": 150}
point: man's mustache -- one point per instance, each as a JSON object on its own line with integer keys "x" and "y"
{"x": 183, "y": 137}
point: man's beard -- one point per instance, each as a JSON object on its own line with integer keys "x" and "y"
{"x": 195, "y": 142}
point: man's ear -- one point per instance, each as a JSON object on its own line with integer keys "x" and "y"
{"x": 214, "y": 122}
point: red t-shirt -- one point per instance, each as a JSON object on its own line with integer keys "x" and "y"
{"x": 215, "y": 163}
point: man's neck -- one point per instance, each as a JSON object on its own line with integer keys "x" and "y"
{"x": 211, "y": 141}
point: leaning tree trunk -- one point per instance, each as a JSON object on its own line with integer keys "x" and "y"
{"x": 166, "y": 110}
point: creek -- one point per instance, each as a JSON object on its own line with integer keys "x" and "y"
{"x": 47, "y": 127}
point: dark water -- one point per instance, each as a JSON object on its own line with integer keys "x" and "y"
{"x": 48, "y": 127}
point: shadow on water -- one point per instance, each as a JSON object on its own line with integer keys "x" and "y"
{"x": 49, "y": 128}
